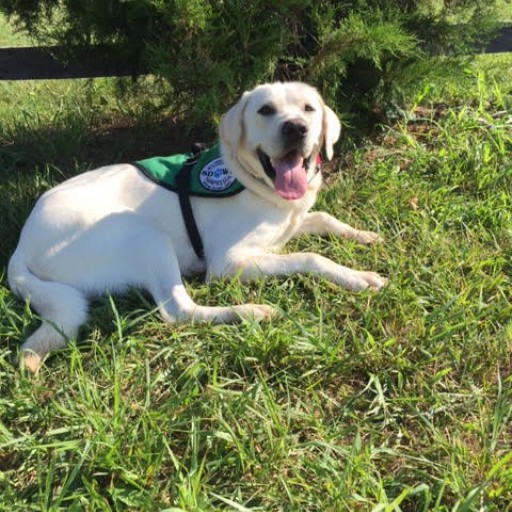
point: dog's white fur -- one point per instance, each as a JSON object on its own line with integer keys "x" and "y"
{"x": 112, "y": 228}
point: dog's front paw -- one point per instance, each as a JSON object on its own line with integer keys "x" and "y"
{"x": 255, "y": 311}
{"x": 371, "y": 280}
{"x": 368, "y": 237}
{"x": 362, "y": 280}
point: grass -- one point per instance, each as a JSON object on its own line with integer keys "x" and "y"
{"x": 397, "y": 400}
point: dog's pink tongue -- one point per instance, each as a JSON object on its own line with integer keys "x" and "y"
{"x": 291, "y": 180}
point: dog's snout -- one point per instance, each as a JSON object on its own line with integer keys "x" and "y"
{"x": 294, "y": 130}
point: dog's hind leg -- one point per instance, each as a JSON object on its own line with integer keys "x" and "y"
{"x": 62, "y": 309}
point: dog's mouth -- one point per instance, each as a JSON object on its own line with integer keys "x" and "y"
{"x": 289, "y": 173}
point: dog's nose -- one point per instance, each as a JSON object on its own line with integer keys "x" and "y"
{"x": 294, "y": 130}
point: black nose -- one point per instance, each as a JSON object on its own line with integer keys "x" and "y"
{"x": 294, "y": 130}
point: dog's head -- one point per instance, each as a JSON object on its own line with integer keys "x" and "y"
{"x": 277, "y": 130}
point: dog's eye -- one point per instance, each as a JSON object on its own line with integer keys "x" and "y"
{"x": 309, "y": 108}
{"x": 267, "y": 110}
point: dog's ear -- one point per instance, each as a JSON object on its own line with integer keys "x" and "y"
{"x": 332, "y": 130}
{"x": 231, "y": 127}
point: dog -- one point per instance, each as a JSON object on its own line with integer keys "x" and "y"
{"x": 114, "y": 228}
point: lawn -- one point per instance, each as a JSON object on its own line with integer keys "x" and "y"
{"x": 399, "y": 400}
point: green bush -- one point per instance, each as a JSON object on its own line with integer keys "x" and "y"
{"x": 203, "y": 53}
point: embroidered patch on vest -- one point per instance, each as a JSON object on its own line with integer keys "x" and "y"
{"x": 215, "y": 176}
{"x": 209, "y": 176}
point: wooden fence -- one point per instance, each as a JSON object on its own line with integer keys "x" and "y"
{"x": 34, "y": 63}
{"x": 53, "y": 62}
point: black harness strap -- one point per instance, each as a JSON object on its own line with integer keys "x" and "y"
{"x": 182, "y": 184}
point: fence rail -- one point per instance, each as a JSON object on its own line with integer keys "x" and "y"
{"x": 40, "y": 62}
{"x": 52, "y": 62}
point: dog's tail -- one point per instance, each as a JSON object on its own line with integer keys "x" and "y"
{"x": 62, "y": 308}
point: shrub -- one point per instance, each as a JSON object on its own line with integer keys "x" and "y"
{"x": 205, "y": 52}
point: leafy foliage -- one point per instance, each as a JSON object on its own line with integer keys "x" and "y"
{"x": 205, "y": 53}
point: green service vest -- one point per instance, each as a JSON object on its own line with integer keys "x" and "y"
{"x": 209, "y": 177}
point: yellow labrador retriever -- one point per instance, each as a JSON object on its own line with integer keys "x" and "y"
{"x": 113, "y": 227}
